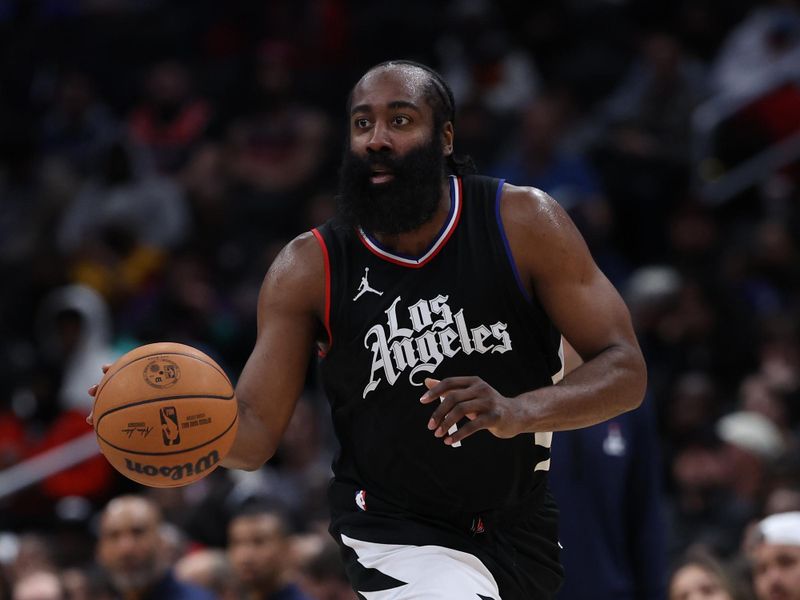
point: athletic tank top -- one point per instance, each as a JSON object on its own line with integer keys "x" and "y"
{"x": 459, "y": 309}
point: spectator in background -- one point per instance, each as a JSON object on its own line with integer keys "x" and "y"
{"x": 775, "y": 557}
{"x": 757, "y": 395}
{"x": 483, "y": 64}
{"x": 644, "y": 150}
{"x": 752, "y": 445}
{"x": 131, "y": 551}
{"x": 276, "y": 145}
{"x": 606, "y": 480}
{"x": 150, "y": 210}
{"x": 74, "y": 328}
{"x": 78, "y": 128}
{"x": 258, "y": 547}
{"x": 74, "y": 333}
{"x": 171, "y": 120}
{"x": 700, "y": 576}
{"x": 721, "y": 478}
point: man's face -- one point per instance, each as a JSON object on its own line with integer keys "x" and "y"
{"x": 776, "y": 572}
{"x": 130, "y": 546}
{"x": 257, "y": 546}
{"x": 393, "y": 170}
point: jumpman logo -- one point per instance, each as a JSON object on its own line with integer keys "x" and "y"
{"x": 365, "y": 287}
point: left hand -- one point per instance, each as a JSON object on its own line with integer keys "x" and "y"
{"x": 475, "y": 399}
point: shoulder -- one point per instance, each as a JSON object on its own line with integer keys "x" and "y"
{"x": 300, "y": 261}
{"x": 302, "y": 251}
{"x": 297, "y": 275}
{"x": 530, "y": 207}
{"x": 532, "y": 214}
{"x": 541, "y": 235}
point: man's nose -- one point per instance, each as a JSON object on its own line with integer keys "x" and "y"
{"x": 379, "y": 139}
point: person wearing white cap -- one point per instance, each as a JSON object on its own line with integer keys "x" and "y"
{"x": 775, "y": 557}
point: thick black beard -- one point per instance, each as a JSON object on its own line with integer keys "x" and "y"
{"x": 401, "y": 205}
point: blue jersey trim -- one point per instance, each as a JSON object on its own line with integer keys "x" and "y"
{"x": 506, "y": 244}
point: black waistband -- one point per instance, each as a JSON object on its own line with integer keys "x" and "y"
{"x": 349, "y": 497}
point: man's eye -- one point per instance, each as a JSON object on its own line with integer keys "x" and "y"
{"x": 401, "y": 120}
{"x": 361, "y": 123}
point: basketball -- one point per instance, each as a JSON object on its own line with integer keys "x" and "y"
{"x": 165, "y": 414}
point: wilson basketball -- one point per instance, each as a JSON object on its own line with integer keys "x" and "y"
{"x": 165, "y": 414}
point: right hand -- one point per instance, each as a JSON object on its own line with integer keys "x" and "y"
{"x": 93, "y": 392}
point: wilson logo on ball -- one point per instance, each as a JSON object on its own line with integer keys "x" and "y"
{"x": 162, "y": 373}
{"x": 175, "y": 472}
{"x": 170, "y": 431}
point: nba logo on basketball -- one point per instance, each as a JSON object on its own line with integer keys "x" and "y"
{"x": 170, "y": 431}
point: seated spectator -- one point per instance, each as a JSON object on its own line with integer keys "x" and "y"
{"x": 258, "y": 547}
{"x": 131, "y": 551}
{"x": 775, "y": 556}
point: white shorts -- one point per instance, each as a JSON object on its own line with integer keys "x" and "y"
{"x": 424, "y": 572}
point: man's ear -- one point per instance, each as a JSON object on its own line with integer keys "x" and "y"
{"x": 448, "y": 134}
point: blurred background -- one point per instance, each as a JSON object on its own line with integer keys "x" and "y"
{"x": 155, "y": 155}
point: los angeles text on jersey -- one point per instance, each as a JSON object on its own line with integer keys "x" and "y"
{"x": 435, "y": 333}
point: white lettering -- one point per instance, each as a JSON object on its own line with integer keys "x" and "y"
{"x": 420, "y": 314}
{"x": 394, "y": 330}
{"x": 463, "y": 334}
{"x": 422, "y": 347}
{"x": 499, "y": 332}
{"x": 479, "y": 334}
{"x": 439, "y": 307}
{"x": 446, "y": 338}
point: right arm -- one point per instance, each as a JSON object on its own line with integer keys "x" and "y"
{"x": 290, "y": 305}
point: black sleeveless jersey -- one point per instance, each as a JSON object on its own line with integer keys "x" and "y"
{"x": 393, "y": 320}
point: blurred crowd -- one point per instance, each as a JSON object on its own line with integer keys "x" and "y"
{"x": 155, "y": 155}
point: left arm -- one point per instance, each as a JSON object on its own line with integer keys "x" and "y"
{"x": 555, "y": 265}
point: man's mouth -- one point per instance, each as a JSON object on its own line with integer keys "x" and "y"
{"x": 381, "y": 175}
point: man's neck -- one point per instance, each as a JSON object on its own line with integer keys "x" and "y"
{"x": 414, "y": 243}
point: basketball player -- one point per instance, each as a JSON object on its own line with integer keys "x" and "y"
{"x": 436, "y": 299}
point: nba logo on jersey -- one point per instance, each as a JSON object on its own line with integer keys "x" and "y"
{"x": 170, "y": 432}
{"x": 361, "y": 499}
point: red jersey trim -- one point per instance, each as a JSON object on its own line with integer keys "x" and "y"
{"x": 327, "y": 316}
{"x": 444, "y": 235}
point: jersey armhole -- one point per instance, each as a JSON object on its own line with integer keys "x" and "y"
{"x": 501, "y": 229}
{"x": 322, "y": 352}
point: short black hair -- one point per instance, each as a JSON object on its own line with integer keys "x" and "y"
{"x": 441, "y": 100}
{"x": 269, "y": 507}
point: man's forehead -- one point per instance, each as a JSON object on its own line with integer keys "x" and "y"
{"x": 128, "y": 511}
{"x": 766, "y": 551}
{"x": 406, "y": 80}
